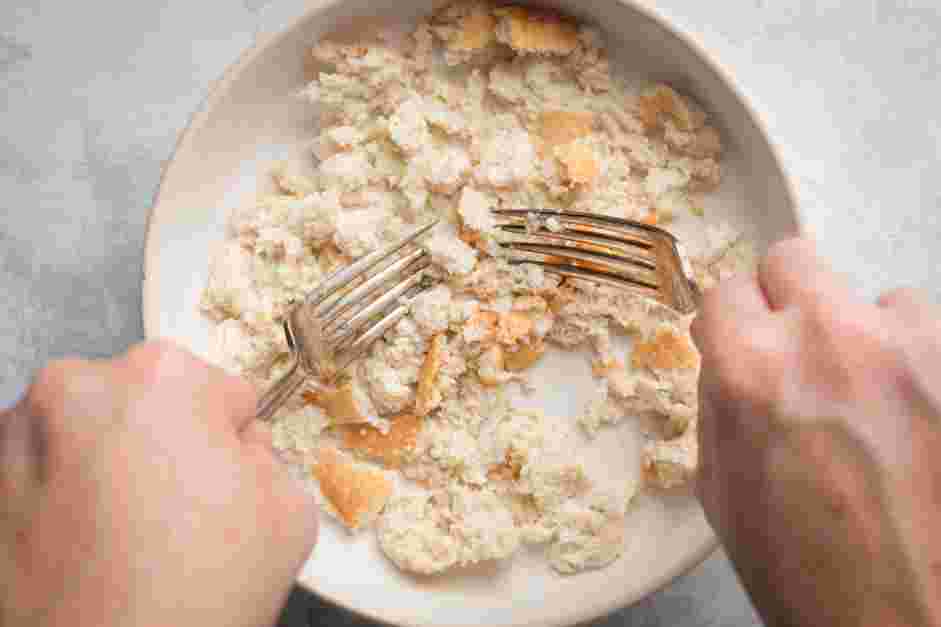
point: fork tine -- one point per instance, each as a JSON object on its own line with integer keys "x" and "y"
{"x": 615, "y": 228}
{"x": 341, "y": 330}
{"x": 642, "y": 274}
{"x": 602, "y": 249}
{"x": 626, "y": 252}
{"x": 616, "y": 247}
{"x": 358, "y": 348}
{"x": 342, "y": 277}
{"x": 598, "y": 276}
{"x": 332, "y": 308}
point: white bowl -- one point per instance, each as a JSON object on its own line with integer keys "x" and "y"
{"x": 251, "y": 117}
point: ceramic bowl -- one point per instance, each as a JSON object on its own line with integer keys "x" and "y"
{"x": 253, "y": 116}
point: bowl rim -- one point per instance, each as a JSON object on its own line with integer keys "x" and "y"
{"x": 263, "y": 42}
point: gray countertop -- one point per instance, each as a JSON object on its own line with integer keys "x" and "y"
{"x": 93, "y": 94}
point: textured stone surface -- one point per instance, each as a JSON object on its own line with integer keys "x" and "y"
{"x": 93, "y": 94}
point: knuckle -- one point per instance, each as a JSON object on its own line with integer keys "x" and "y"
{"x": 53, "y": 383}
{"x": 838, "y": 328}
{"x": 844, "y": 347}
{"x": 155, "y": 360}
{"x": 783, "y": 251}
{"x": 901, "y": 297}
{"x": 750, "y": 366}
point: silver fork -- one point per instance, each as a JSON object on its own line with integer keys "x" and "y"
{"x": 623, "y": 253}
{"x": 345, "y": 315}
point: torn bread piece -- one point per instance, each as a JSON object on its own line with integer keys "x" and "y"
{"x": 535, "y": 32}
{"x": 662, "y": 102}
{"x": 344, "y": 404}
{"x": 669, "y": 464}
{"x": 587, "y": 537}
{"x": 579, "y": 165}
{"x": 414, "y": 534}
{"x": 391, "y": 449}
{"x": 524, "y": 357}
{"x": 667, "y": 350}
{"x": 476, "y": 31}
{"x": 355, "y": 493}
{"x": 558, "y": 128}
{"x": 428, "y": 396}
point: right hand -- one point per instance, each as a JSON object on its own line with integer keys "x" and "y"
{"x": 820, "y": 443}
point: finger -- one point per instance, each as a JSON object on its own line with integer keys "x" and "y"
{"x": 291, "y": 521}
{"x": 258, "y": 434}
{"x": 69, "y": 388}
{"x": 292, "y": 507}
{"x": 919, "y": 321}
{"x": 792, "y": 274}
{"x": 908, "y": 301}
{"x": 730, "y": 305}
{"x": 707, "y": 479}
{"x": 210, "y": 393}
{"x": 22, "y": 463}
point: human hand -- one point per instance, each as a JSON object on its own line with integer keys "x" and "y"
{"x": 141, "y": 491}
{"x": 820, "y": 438}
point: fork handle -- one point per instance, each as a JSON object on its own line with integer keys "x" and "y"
{"x": 278, "y": 394}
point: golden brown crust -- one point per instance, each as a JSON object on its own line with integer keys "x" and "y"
{"x": 558, "y": 128}
{"x": 668, "y": 350}
{"x": 477, "y": 31}
{"x": 356, "y": 494}
{"x": 425, "y": 399}
{"x": 663, "y": 99}
{"x": 339, "y": 403}
{"x": 390, "y": 449}
{"x": 579, "y": 166}
{"x": 487, "y": 322}
{"x": 512, "y": 327}
{"x": 331, "y": 258}
{"x": 526, "y": 357}
{"x": 537, "y": 32}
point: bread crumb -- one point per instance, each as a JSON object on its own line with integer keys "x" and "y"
{"x": 672, "y": 463}
{"x": 413, "y": 533}
{"x": 459, "y": 526}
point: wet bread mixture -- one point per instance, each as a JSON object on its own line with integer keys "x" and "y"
{"x": 478, "y": 106}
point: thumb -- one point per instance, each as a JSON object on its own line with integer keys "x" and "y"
{"x": 294, "y": 508}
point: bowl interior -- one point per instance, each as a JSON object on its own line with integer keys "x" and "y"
{"x": 253, "y": 117}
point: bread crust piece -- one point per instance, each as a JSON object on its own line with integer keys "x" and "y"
{"x": 664, "y": 100}
{"x": 667, "y": 350}
{"x": 477, "y": 31}
{"x": 558, "y": 128}
{"x": 579, "y": 165}
{"x": 535, "y": 32}
{"x": 428, "y": 397}
{"x": 391, "y": 449}
{"x": 355, "y": 493}
{"x": 344, "y": 404}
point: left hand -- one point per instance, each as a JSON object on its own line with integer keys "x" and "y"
{"x": 141, "y": 491}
